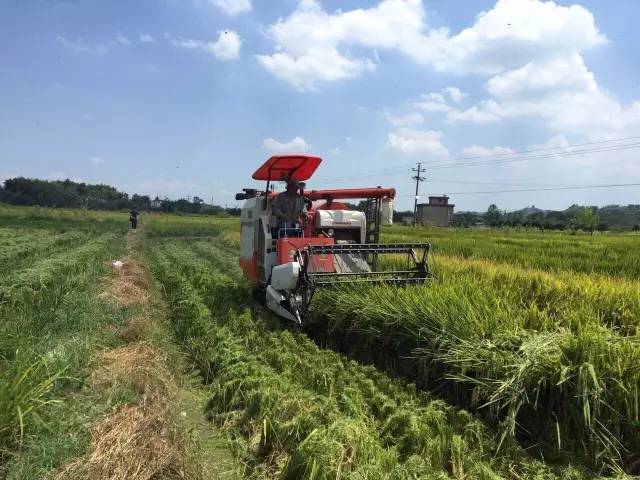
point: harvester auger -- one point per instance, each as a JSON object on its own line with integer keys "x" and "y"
{"x": 336, "y": 244}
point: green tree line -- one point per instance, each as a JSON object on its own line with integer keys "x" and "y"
{"x": 70, "y": 194}
{"x": 576, "y": 217}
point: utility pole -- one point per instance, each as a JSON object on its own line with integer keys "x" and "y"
{"x": 418, "y": 179}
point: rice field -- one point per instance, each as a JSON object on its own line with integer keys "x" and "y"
{"x": 50, "y": 321}
{"x": 520, "y": 361}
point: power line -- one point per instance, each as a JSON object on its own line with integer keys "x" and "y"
{"x": 513, "y": 184}
{"x": 579, "y": 187}
{"x": 493, "y": 162}
{"x": 516, "y": 158}
{"x": 533, "y": 150}
{"x": 522, "y": 155}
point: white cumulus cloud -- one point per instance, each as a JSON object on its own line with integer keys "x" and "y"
{"x": 96, "y": 160}
{"x": 487, "y": 111}
{"x": 505, "y": 37}
{"x": 311, "y": 44}
{"x": 412, "y": 141}
{"x": 455, "y": 94}
{"x": 232, "y": 7}
{"x": 79, "y": 46}
{"x": 436, "y": 101}
{"x": 560, "y": 93}
{"x": 481, "y": 151}
{"x": 405, "y": 120}
{"x": 296, "y": 144}
{"x": 146, "y": 38}
{"x": 122, "y": 39}
{"x": 512, "y": 33}
{"x": 226, "y": 47}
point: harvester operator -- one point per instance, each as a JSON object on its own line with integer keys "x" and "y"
{"x": 288, "y": 208}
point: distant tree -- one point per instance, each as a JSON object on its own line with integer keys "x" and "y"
{"x": 559, "y": 226}
{"x": 636, "y": 228}
{"x": 588, "y": 219}
{"x": 183, "y": 205}
{"x": 167, "y": 206}
{"x": 537, "y": 220}
{"x": 602, "y": 227}
{"x": 492, "y": 217}
{"x": 196, "y": 205}
{"x": 141, "y": 202}
{"x": 462, "y": 219}
{"x": 398, "y": 215}
{"x": 537, "y": 224}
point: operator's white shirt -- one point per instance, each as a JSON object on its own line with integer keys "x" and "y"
{"x": 288, "y": 207}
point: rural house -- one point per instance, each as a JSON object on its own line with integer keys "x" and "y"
{"x": 438, "y": 212}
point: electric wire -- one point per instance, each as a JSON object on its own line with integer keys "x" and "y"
{"x": 576, "y": 187}
{"x": 492, "y": 159}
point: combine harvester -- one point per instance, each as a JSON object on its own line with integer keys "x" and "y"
{"x": 335, "y": 245}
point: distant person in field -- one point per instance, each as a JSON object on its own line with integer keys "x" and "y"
{"x": 288, "y": 208}
{"x": 133, "y": 218}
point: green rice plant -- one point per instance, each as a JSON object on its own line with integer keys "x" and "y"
{"x": 25, "y": 285}
{"x": 25, "y": 387}
{"x": 14, "y": 256}
{"x": 48, "y": 220}
{"x": 186, "y": 225}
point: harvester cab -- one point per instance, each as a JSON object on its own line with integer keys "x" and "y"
{"x": 331, "y": 244}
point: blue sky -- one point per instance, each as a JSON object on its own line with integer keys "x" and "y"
{"x": 189, "y": 97}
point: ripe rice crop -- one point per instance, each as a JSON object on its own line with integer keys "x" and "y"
{"x": 611, "y": 254}
{"x": 563, "y": 376}
{"x": 300, "y": 412}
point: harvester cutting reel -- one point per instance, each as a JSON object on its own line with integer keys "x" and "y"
{"x": 354, "y": 264}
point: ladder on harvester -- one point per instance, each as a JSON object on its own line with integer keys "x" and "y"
{"x": 372, "y": 213}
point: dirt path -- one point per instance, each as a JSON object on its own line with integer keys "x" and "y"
{"x": 161, "y": 431}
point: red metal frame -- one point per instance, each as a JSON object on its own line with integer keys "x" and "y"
{"x": 287, "y": 248}
{"x": 351, "y": 193}
{"x": 250, "y": 267}
{"x": 347, "y": 193}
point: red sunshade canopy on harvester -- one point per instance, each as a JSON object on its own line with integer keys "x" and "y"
{"x": 284, "y": 167}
